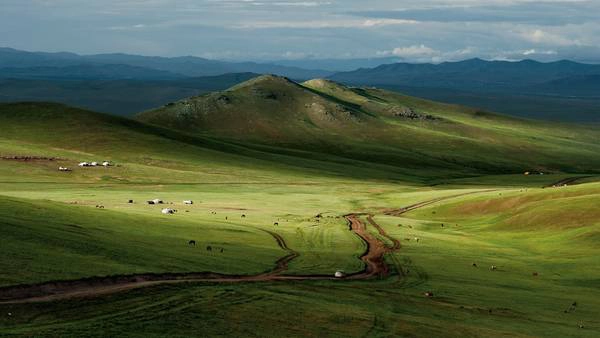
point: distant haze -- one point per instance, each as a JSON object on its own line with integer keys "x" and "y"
{"x": 284, "y": 30}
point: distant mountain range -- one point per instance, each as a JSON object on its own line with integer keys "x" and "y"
{"x": 157, "y": 68}
{"x": 88, "y": 72}
{"x": 560, "y": 78}
{"x": 126, "y": 84}
{"x": 338, "y": 65}
{"x": 481, "y": 75}
{"x": 119, "y": 96}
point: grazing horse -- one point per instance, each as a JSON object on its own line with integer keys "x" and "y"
{"x": 243, "y": 216}
{"x": 222, "y": 250}
{"x": 192, "y": 242}
{"x": 208, "y": 248}
{"x": 276, "y": 223}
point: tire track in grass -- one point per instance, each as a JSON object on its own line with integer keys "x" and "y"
{"x": 373, "y": 257}
{"x": 96, "y": 286}
{"x": 400, "y": 211}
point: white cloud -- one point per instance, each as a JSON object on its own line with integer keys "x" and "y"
{"x": 415, "y": 51}
{"x": 534, "y": 51}
{"x": 540, "y": 36}
{"x": 415, "y": 30}
{"x": 317, "y": 24}
{"x": 387, "y": 22}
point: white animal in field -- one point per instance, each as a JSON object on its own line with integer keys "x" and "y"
{"x": 188, "y": 202}
{"x": 157, "y": 201}
{"x": 63, "y": 169}
{"x": 168, "y": 211}
{"x": 84, "y": 164}
{"x": 339, "y": 274}
{"x": 106, "y": 164}
{"x": 94, "y": 164}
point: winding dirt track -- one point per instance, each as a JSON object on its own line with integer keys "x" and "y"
{"x": 373, "y": 257}
{"x": 96, "y": 286}
{"x": 398, "y": 212}
{"x": 565, "y": 181}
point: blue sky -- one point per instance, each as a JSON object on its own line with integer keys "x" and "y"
{"x": 416, "y": 31}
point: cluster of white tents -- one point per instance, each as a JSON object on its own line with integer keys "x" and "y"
{"x": 87, "y": 164}
{"x": 94, "y": 164}
{"x": 167, "y": 211}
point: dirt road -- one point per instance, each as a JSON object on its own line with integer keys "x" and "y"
{"x": 398, "y": 212}
{"x": 566, "y": 181}
{"x": 373, "y": 257}
{"x": 95, "y": 286}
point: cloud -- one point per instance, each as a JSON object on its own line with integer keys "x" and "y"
{"x": 291, "y": 3}
{"x": 126, "y": 28}
{"x": 414, "y": 30}
{"x": 321, "y": 24}
{"x": 423, "y": 53}
{"x": 534, "y": 51}
{"x": 416, "y": 51}
{"x": 525, "y": 12}
{"x": 540, "y": 36}
{"x": 386, "y": 22}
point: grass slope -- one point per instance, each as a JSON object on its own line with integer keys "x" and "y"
{"x": 469, "y": 301}
{"x": 52, "y": 230}
{"x": 381, "y": 127}
{"x": 153, "y": 153}
{"x": 78, "y": 241}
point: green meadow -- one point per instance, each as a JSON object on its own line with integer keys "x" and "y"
{"x": 499, "y": 254}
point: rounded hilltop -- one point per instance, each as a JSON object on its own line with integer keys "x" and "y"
{"x": 267, "y": 79}
{"x": 321, "y": 83}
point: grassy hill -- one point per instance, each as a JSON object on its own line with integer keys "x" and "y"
{"x": 356, "y": 150}
{"x": 380, "y": 127}
{"x": 151, "y": 152}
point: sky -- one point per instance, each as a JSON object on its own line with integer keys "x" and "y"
{"x": 260, "y": 30}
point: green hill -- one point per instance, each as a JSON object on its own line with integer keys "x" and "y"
{"x": 271, "y": 180}
{"x": 155, "y": 154}
{"x": 381, "y": 127}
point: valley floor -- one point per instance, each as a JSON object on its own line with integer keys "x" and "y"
{"x": 498, "y": 255}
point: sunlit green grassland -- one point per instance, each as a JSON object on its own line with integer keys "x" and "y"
{"x": 52, "y": 230}
{"x": 468, "y": 300}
